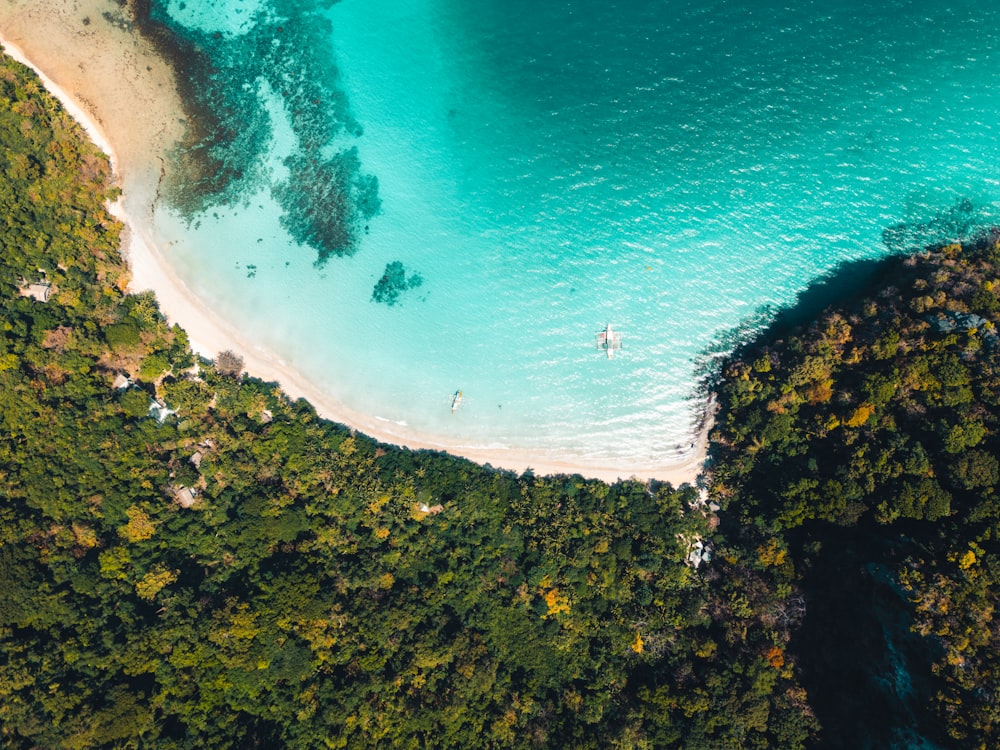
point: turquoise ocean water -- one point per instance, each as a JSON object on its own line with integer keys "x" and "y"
{"x": 545, "y": 168}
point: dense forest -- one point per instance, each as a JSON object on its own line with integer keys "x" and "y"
{"x": 858, "y": 453}
{"x": 190, "y": 559}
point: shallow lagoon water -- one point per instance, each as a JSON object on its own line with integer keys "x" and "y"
{"x": 548, "y": 168}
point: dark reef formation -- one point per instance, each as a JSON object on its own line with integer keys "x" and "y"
{"x": 393, "y": 283}
{"x": 965, "y": 221}
{"x": 327, "y": 198}
{"x": 327, "y": 201}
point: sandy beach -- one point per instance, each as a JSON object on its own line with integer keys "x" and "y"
{"x": 124, "y": 95}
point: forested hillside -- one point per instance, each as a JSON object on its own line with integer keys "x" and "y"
{"x": 859, "y": 453}
{"x": 189, "y": 559}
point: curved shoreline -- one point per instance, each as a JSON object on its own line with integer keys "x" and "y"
{"x": 208, "y": 333}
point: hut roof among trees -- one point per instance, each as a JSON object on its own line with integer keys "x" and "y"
{"x": 39, "y": 290}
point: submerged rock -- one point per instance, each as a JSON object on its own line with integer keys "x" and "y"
{"x": 393, "y": 283}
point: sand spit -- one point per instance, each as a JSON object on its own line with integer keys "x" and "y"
{"x": 125, "y": 95}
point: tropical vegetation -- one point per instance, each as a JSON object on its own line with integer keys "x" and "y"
{"x": 188, "y": 558}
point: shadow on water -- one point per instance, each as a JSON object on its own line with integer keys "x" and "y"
{"x": 963, "y": 221}
{"x": 848, "y": 281}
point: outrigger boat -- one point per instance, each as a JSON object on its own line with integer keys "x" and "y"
{"x": 609, "y": 339}
{"x": 456, "y": 401}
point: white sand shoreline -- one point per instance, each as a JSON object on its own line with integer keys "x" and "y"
{"x": 209, "y": 334}
{"x": 91, "y": 128}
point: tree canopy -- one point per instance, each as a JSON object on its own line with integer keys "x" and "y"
{"x": 864, "y": 445}
{"x": 190, "y": 558}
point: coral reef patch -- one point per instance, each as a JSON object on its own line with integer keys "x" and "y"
{"x": 227, "y": 81}
{"x": 393, "y": 283}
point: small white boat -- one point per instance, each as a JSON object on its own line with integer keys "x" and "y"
{"x": 456, "y": 401}
{"x": 609, "y": 339}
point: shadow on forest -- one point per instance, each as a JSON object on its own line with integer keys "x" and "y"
{"x": 867, "y": 675}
